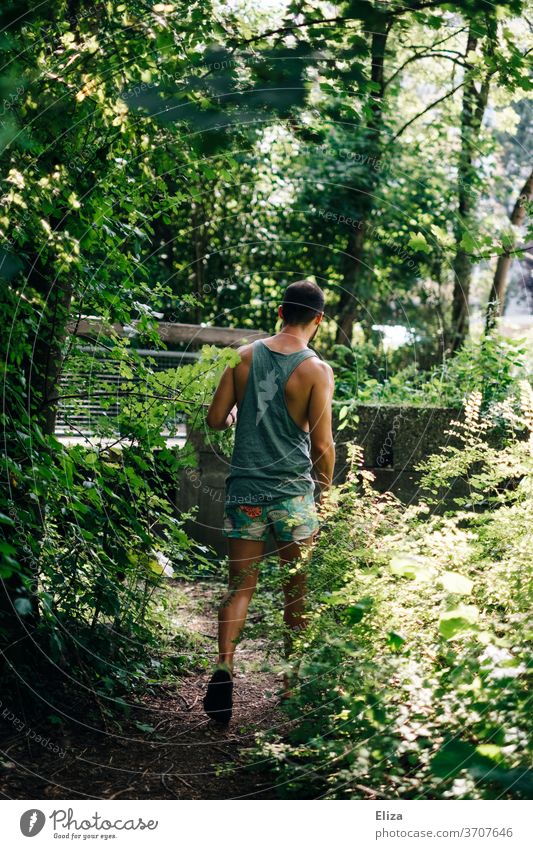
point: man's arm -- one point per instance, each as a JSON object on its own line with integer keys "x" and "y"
{"x": 322, "y": 445}
{"x": 222, "y": 412}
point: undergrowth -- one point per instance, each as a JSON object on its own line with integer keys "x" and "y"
{"x": 411, "y": 678}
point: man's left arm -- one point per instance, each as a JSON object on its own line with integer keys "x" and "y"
{"x": 222, "y": 412}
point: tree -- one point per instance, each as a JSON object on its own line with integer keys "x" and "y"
{"x": 357, "y": 74}
{"x": 76, "y": 163}
{"x": 499, "y": 283}
{"x": 474, "y": 104}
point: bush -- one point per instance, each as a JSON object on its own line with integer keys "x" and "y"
{"x": 492, "y": 365}
{"x": 411, "y": 677}
{"x": 88, "y": 532}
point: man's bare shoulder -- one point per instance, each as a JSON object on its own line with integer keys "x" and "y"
{"x": 318, "y": 370}
{"x": 245, "y": 352}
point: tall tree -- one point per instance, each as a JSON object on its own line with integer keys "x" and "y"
{"x": 373, "y": 48}
{"x": 499, "y": 283}
{"x": 475, "y": 97}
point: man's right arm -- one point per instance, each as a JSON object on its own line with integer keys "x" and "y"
{"x": 320, "y": 426}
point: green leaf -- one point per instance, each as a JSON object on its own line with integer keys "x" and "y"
{"x": 467, "y": 243}
{"x": 489, "y": 750}
{"x": 395, "y": 640}
{"x": 144, "y": 726}
{"x": 355, "y": 612}
{"x": 457, "y": 755}
{"x": 410, "y": 566}
{"x": 452, "y": 758}
{"x": 126, "y": 707}
{"x": 458, "y": 621}
{"x": 445, "y": 239}
{"x": 418, "y": 242}
{"x": 56, "y": 646}
{"x": 518, "y": 779}
{"x": 23, "y": 606}
{"x": 404, "y": 566}
{"x": 456, "y": 583}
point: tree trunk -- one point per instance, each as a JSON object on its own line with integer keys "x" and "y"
{"x": 200, "y": 238}
{"x": 352, "y": 272}
{"x": 474, "y": 104}
{"x": 42, "y": 375}
{"x": 46, "y": 367}
{"x": 499, "y": 283}
{"x": 349, "y": 302}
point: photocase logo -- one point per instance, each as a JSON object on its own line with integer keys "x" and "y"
{"x": 32, "y": 822}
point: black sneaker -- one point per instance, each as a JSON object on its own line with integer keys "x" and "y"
{"x": 218, "y": 700}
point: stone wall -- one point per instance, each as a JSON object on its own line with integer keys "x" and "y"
{"x": 394, "y": 441}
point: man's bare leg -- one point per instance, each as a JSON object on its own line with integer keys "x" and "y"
{"x": 294, "y": 588}
{"x": 244, "y": 555}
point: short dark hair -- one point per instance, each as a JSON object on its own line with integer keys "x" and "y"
{"x": 302, "y": 301}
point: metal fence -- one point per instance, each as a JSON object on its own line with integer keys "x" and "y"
{"x": 99, "y": 383}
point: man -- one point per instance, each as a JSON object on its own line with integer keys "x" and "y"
{"x": 282, "y": 391}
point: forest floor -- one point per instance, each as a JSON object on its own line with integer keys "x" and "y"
{"x": 165, "y": 748}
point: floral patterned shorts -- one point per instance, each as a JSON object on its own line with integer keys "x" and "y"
{"x": 291, "y": 520}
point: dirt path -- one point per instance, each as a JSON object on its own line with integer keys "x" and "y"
{"x": 167, "y": 748}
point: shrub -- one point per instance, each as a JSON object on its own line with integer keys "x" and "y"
{"x": 411, "y": 677}
{"x": 493, "y": 365}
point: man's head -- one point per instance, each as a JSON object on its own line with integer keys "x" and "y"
{"x": 303, "y": 305}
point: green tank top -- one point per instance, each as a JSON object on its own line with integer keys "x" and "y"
{"x": 271, "y": 457}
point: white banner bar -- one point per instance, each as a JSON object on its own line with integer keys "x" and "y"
{"x": 268, "y": 824}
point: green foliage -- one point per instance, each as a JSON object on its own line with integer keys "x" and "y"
{"x": 411, "y": 678}
{"x": 89, "y": 532}
{"x": 156, "y": 163}
{"x": 87, "y": 180}
{"x": 492, "y": 365}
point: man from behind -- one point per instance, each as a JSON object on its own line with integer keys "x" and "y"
{"x": 279, "y": 396}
